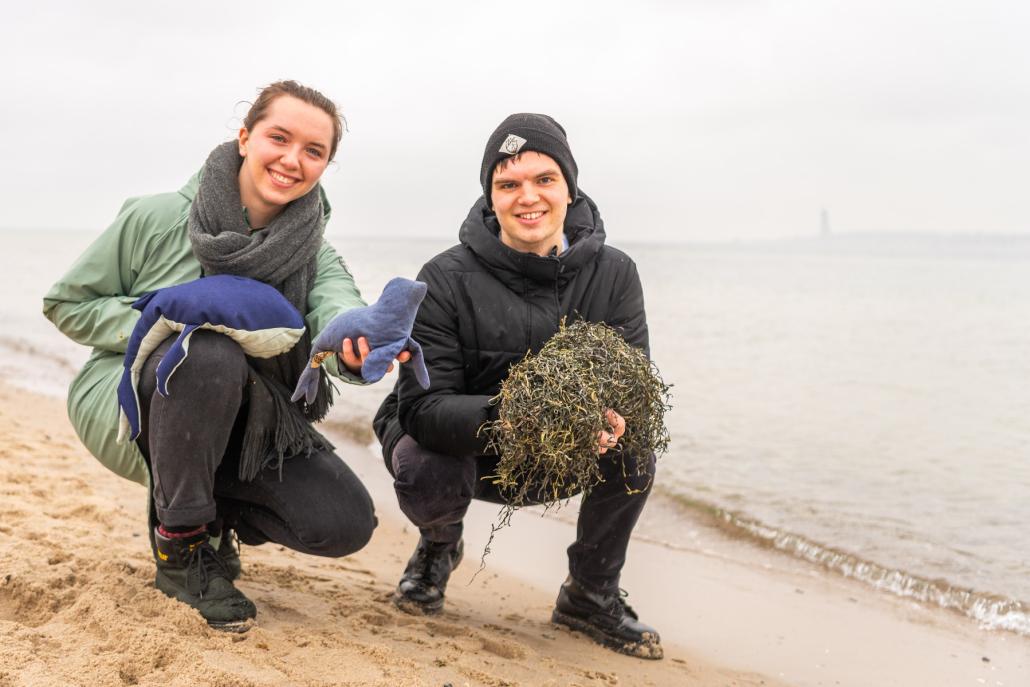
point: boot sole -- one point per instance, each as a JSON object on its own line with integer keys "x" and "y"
{"x": 414, "y": 607}
{"x": 172, "y": 591}
{"x": 237, "y": 628}
{"x": 647, "y": 648}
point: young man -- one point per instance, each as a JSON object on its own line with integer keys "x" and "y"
{"x": 532, "y": 252}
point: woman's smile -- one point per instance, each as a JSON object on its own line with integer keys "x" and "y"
{"x": 281, "y": 180}
{"x": 283, "y": 157}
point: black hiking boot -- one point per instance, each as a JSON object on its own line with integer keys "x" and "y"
{"x": 607, "y": 619}
{"x": 190, "y": 570}
{"x": 424, "y": 581}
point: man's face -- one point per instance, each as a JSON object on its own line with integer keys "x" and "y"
{"x": 530, "y": 198}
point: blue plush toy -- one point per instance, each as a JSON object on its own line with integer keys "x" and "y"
{"x": 387, "y": 326}
{"x": 253, "y": 314}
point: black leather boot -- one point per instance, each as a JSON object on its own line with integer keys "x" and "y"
{"x": 607, "y": 619}
{"x": 190, "y": 570}
{"x": 425, "y": 579}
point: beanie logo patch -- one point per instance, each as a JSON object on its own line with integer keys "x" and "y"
{"x": 512, "y": 144}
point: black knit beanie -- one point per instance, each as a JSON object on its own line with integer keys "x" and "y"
{"x": 525, "y": 132}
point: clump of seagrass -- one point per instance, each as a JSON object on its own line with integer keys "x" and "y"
{"x": 552, "y": 409}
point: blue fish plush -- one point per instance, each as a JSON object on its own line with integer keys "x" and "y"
{"x": 253, "y": 314}
{"x": 387, "y": 326}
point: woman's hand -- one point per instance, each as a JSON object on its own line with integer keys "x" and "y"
{"x": 353, "y": 360}
{"x": 607, "y": 440}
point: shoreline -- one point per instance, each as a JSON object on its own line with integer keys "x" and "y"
{"x": 991, "y": 611}
{"x": 711, "y": 528}
{"x": 91, "y": 609}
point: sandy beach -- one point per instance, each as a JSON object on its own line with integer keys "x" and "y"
{"x": 77, "y": 606}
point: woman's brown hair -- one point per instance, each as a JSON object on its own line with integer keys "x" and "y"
{"x": 272, "y": 91}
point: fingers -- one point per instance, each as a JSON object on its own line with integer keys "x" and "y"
{"x": 402, "y": 357}
{"x": 605, "y": 441}
{"x": 608, "y": 440}
{"x": 353, "y": 358}
{"x": 617, "y": 422}
{"x": 349, "y": 357}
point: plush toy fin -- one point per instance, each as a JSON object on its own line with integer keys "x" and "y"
{"x": 374, "y": 367}
{"x": 141, "y": 302}
{"x": 129, "y": 424}
{"x": 307, "y": 385}
{"x": 173, "y": 358}
{"x": 417, "y": 364}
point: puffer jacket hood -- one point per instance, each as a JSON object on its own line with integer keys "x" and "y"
{"x": 584, "y": 229}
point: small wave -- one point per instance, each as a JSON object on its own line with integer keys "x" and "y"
{"x": 991, "y": 611}
{"x": 36, "y": 352}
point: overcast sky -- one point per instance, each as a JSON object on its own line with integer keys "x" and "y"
{"x": 703, "y": 120}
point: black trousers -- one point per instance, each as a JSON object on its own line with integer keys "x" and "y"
{"x": 434, "y": 490}
{"x": 191, "y": 440}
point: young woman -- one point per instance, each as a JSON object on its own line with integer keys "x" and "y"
{"x": 256, "y": 210}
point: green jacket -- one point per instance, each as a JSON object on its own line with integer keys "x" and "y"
{"x": 147, "y": 248}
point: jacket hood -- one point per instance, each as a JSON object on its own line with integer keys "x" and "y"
{"x": 189, "y": 192}
{"x": 584, "y": 229}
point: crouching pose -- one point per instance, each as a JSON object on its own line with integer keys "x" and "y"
{"x": 255, "y": 210}
{"x": 532, "y": 251}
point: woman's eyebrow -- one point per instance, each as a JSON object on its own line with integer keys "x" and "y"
{"x": 286, "y": 131}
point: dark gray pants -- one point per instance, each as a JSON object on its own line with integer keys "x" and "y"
{"x": 435, "y": 490}
{"x": 192, "y": 439}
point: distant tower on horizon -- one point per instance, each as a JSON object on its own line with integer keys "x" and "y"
{"x": 824, "y": 223}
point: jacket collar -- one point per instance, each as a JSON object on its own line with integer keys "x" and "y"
{"x": 480, "y": 233}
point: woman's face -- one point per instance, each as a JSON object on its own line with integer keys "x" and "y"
{"x": 283, "y": 156}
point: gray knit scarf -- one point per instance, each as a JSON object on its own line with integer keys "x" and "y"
{"x": 283, "y": 255}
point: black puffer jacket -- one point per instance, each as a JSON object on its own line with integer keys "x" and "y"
{"x": 486, "y": 307}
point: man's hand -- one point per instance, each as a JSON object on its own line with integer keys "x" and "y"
{"x": 353, "y": 360}
{"x": 607, "y": 440}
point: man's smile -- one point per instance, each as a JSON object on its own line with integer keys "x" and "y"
{"x": 530, "y": 216}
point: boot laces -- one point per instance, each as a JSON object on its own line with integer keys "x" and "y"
{"x": 619, "y": 604}
{"x": 426, "y": 558}
{"x": 203, "y": 565}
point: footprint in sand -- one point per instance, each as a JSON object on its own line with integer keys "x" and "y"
{"x": 29, "y": 604}
{"x": 84, "y": 511}
{"x": 377, "y": 619}
{"x": 282, "y": 612}
{"x": 447, "y": 630}
{"x": 58, "y": 557}
{"x": 505, "y": 648}
{"x": 498, "y": 646}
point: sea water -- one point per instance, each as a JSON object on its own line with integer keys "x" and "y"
{"x": 860, "y": 402}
